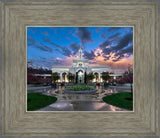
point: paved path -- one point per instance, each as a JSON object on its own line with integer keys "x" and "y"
{"x": 81, "y": 106}
{"x": 78, "y": 102}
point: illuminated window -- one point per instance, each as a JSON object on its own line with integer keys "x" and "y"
{"x": 80, "y": 64}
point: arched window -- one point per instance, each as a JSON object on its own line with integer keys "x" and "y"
{"x": 80, "y": 64}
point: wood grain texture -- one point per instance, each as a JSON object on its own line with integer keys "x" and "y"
{"x": 143, "y": 121}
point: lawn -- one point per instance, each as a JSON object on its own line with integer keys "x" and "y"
{"x": 36, "y": 101}
{"x": 122, "y": 100}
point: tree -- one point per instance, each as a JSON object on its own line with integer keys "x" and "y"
{"x": 85, "y": 77}
{"x": 55, "y": 76}
{"x": 105, "y": 76}
{"x": 70, "y": 77}
{"x": 111, "y": 73}
{"x": 121, "y": 80}
{"x": 76, "y": 77}
{"x": 32, "y": 79}
{"x": 90, "y": 76}
{"x": 128, "y": 76}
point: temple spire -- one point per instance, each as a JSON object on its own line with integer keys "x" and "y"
{"x": 80, "y": 51}
{"x": 80, "y": 43}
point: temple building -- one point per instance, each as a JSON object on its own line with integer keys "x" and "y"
{"x": 79, "y": 67}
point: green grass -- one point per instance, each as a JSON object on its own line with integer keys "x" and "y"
{"x": 36, "y": 101}
{"x": 119, "y": 100}
{"x": 90, "y": 84}
{"x": 80, "y": 88}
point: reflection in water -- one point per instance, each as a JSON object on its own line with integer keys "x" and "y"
{"x": 79, "y": 102}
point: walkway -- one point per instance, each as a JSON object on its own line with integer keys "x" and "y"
{"x": 80, "y": 102}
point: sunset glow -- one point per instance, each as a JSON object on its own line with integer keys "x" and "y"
{"x": 102, "y": 46}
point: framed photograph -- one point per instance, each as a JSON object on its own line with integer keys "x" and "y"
{"x": 80, "y": 69}
{"x": 86, "y": 68}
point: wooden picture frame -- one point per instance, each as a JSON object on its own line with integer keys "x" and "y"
{"x": 143, "y": 121}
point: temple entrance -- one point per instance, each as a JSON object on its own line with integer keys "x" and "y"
{"x": 64, "y": 77}
{"x": 96, "y": 77}
{"x": 80, "y": 76}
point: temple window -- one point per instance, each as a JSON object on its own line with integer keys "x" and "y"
{"x": 80, "y": 64}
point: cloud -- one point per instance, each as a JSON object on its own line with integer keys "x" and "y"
{"x": 99, "y": 29}
{"x": 44, "y": 33}
{"x": 113, "y": 29}
{"x": 63, "y": 62}
{"x": 64, "y": 51}
{"x": 75, "y": 47}
{"x": 31, "y": 41}
{"x": 84, "y": 35}
{"x": 53, "y": 62}
{"x": 128, "y": 38}
{"x": 123, "y": 48}
{"x": 57, "y": 61}
{"x": 45, "y": 48}
{"x": 113, "y": 62}
{"x": 115, "y": 59}
{"x": 44, "y": 62}
{"x": 128, "y": 51}
{"x": 40, "y": 46}
{"x": 89, "y": 55}
{"x": 103, "y": 36}
{"x": 31, "y": 30}
{"x": 68, "y": 38}
{"x": 106, "y": 58}
{"x": 53, "y": 44}
{"x": 29, "y": 62}
{"x": 104, "y": 44}
{"x": 47, "y": 40}
{"x": 98, "y": 54}
{"x": 113, "y": 37}
{"x": 43, "y": 58}
{"x": 121, "y": 65}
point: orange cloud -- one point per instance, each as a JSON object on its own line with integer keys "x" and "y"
{"x": 118, "y": 67}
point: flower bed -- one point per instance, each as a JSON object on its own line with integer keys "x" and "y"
{"x": 79, "y": 88}
{"x": 79, "y": 84}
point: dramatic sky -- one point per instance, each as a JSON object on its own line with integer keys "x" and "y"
{"x": 102, "y": 46}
